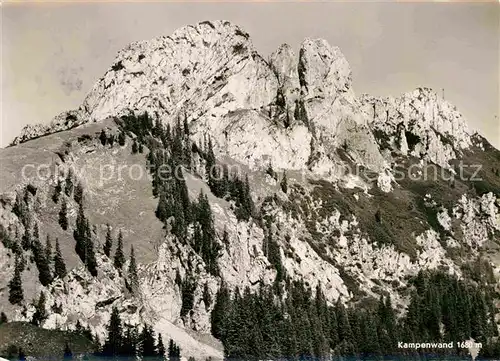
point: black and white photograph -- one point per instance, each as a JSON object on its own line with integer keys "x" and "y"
{"x": 250, "y": 180}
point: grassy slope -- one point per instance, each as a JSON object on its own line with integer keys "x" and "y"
{"x": 39, "y": 342}
{"x": 126, "y": 204}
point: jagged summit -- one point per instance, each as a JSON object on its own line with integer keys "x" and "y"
{"x": 303, "y": 104}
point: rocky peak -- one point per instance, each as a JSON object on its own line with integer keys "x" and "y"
{"x": 420, "y": 123}
{"x": 323, "y": 69}
{"x": 211, "y": 73}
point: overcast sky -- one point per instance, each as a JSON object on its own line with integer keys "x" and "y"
{"x": 52, "y": 53}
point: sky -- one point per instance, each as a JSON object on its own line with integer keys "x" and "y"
{"x": 52, "y": 53}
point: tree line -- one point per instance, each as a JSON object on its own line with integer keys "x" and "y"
{"x": 126, "y": 340}
{"x": 302, "y": 326}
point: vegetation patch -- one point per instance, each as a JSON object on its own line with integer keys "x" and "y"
{"x": 24, "y": 337}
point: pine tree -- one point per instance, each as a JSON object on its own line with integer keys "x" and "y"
{"x": 113, "y": 344}
{"x": 130, "y": 342}
{"x": 80, "y": 234}
{"x": 132, "y": 272}
{"x": 284, "y": 183}
{"x": 109, "y": 241}
{"x": 210, "y": 169}
{"x": 36, "y": 235}
{"x": 220, "y": 312}
{"x": 59, "y": 265}
{"x": 207, "y": 299}
{"x": 344, "y": 327}
{"x": 147, "y": 338}
{"x": 26, "y": 239}
{"x": 40, "y": 313}
{"x": 78, "y": 193}
{"x": 247, "y": 202}
{"x": 135, "y": 148}
{"x": 63, "y": 220}
{"x": 287, "y": 118}
{"x": 19, "y": 208}
{"x": 57, "y": 191}
{"x": 162, "y": 210}
{"x": 119, "y": 259}
{"x": 91, "y": 261}
{"x": 160, "y": 348}
{"x": 16, "y": 295}
{"x": 42, "y": 263}
{"x": 102, "y": 137}
{"x": 68, "y": 188}
{"x": 121, "y": 139}
{"x": 188, "y": 289}
{"x": 48, "y": 250}
{"x": 3, "y": 318}
{"x": 84, "y": 246}
{"x": 174, "y": 351}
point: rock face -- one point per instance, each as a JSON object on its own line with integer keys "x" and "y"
{"x": 209, "y": 71}
{"x": 419, "y": 123}
{"x": 345, "y": 222}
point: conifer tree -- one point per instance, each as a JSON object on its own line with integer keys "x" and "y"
{"x": 135, "y": 147}
{"x": 102, "y": 137}
{"x": 78, "y": 193}
{"x": 16, "y": 295}
{"x": 59, "y": 265}
{"x": 36, "y": 234}
{"x": 48, "y": 250}
{"x": 220, "y": 311}
{"x": 132, "y": 272}
{"x": 19, "y": 208}
{"x": 63, "y": 220}
{"x": 113, "y": 343}
{"x": 344, "y": 327}
{"x": 68, "y": 187}
{"x": 109, "y": 241}
{"x": 287, "y": 118}
{"x": 84, "y": 246}
{"x": 26, "y": 239}
{"x": 41, "y": 261}
{"x": 40, "y": 313}
{"x": 130, "y": 342}
{"x": 207, "y": 299}
{"x": 3, "y": 318}
{"x": 160, "y": 348}
{"x": 91, "y": 261}
{"x": 119, "y": 259}
{"x": 174, "y": 351}
{"x": 57, "y": 191}
{"x": 162, "y": 210}
{"x": 80, "y": 234}
{"x": 210, "y": 169}
{"x": 188, "y": 289}
{"x": 284, "y": 183}
{"x": 148, "y": 348}
{"x": 121, "y": 138}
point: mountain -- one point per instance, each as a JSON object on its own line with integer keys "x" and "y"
{"x": 265, "y": 179}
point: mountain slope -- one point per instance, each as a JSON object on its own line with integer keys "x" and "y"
{"x": 369, "y": 200}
